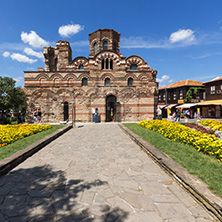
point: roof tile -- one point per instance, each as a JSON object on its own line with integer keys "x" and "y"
{"x": 183, "y": 83}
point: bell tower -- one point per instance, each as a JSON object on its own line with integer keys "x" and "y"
{"x": 104, "y": 39}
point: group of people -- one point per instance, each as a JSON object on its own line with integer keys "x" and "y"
{"x": 20, "y": 118}
{"x": 174, "y": 117}
{"x": 37, "y": 115}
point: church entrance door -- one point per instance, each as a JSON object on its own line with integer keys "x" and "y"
{"x": 110, "y": 108}
{"x": 66, "y": 111}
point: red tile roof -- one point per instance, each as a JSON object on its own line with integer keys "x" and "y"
{"x": 183, "y": 83}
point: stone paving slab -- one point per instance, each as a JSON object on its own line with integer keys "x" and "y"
{"x": 12, "y": 161}
{"x": 94, "y": 173}
{"x": 191, "y": 183}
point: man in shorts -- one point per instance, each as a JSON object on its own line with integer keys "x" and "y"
{"x": 159, "y": 113}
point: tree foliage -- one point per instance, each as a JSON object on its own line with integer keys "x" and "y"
{"x": 11, "y": 98}
{"x": 191, "y": 93}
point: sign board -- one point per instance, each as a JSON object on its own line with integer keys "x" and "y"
{"x": 194, "y": 100}
{"x": 180, "y": 101}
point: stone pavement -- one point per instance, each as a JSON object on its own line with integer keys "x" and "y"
{"x": 94, "y": 173}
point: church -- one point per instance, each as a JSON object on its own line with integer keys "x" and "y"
{"x": 117, "y": 88}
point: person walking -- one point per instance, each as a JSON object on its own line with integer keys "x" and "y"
{"x": 178, "y": 114}
{"x": 170, "y": 118}
{"x": 35, "y": 114}
{"x": 159, "y": 113}
{"x": 39, "y": 115}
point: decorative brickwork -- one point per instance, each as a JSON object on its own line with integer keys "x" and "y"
{"x": 86, "y": 83}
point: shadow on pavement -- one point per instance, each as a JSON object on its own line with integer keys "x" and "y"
{"x": 41, "y": 194}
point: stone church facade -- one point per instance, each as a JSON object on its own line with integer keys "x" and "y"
{"x": 122, "y": 89}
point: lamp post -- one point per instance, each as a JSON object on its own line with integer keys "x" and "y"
{"x": 73, "y": 116}
{"x": 74, "y": 113}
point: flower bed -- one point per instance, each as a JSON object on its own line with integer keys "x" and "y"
{"x": 11, "y": 133}
{"x": 199, "y": 128}
{"x": 212, "y": 124}
{"x": 203, "y": 142}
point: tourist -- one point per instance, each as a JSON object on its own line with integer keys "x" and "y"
{"x": 35, "y": 114}
{"x": 198, "y": 114}
{"x": 170, "y": 118}
{"x": 19, "y": 119}
{"x": 39, "y": 115}
{"x": 178, "y": 114}
{"x": 111, "y": 114}
{"x": 159, "y": 113}
{"x": 209, "y": 112}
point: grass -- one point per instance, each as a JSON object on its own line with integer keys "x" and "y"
{"x": 207, "y": 168}
{"x": 8, "y": 150}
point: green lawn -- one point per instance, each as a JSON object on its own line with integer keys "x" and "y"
{"x": 8, "y": 150}
{"x": 207, "y": 168}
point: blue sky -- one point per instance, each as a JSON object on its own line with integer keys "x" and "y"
{"x": 180, "y": 39}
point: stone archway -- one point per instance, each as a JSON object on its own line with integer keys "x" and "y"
{"x": 110, "y": 108}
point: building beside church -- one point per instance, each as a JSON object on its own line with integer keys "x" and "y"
{"x": 212, "y": 106}
{"x": 122, "y": 89}
{"x": 175, "y": 93}
{"x": 175, "y": 96}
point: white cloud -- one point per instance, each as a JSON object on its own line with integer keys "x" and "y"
{"x": 31, "y": 52}
{"x": 204, "y": 55}
{"x": 18, "y": 79}
{"x": 144, "y": 42}
{"x": 33, "y": 39}
{"x": 12, "y": 46}
{"x": 217, "y": 77}
{"x": 6, "y": 54}
{"x": 204, "y": 78}
{"x": 182, "y": 35}
{"x": 149, "y": 43}
{"x": 69, "y": 30}
{"x": 163, "y": 78}
{"x": 170, "y": 81}
{"x": 80, "y": 43}
{"x": 30, "y": 69}
{"x": 22, "y": 58}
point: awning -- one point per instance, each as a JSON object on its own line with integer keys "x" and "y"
{"x": 161, "y": 106}
{"x": 170, "y": 106}
{"x": 210, "y": 102}
{"x": 186, "y": 105}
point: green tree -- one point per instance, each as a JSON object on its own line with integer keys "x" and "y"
{"x": 191, "y": 93}
{"x": 11, "y": 99}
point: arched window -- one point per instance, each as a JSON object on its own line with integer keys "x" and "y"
{"x": 95, "y": 48}
{"x": 105, "y": 45}
{"x": 133, "y": 67}
{"x": 81, "y": 67}
{"x": 130, "y": 81}
{"x": 111, "y": 64}
{"x": 103, "y": 64}
{"x": 84, "y": 82}
{"x": 114, "y": 47}
{"x": 107, "y": 82}
{"x": 107, "y": 63}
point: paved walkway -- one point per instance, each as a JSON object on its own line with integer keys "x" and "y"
{"x": 94, "y": 173}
